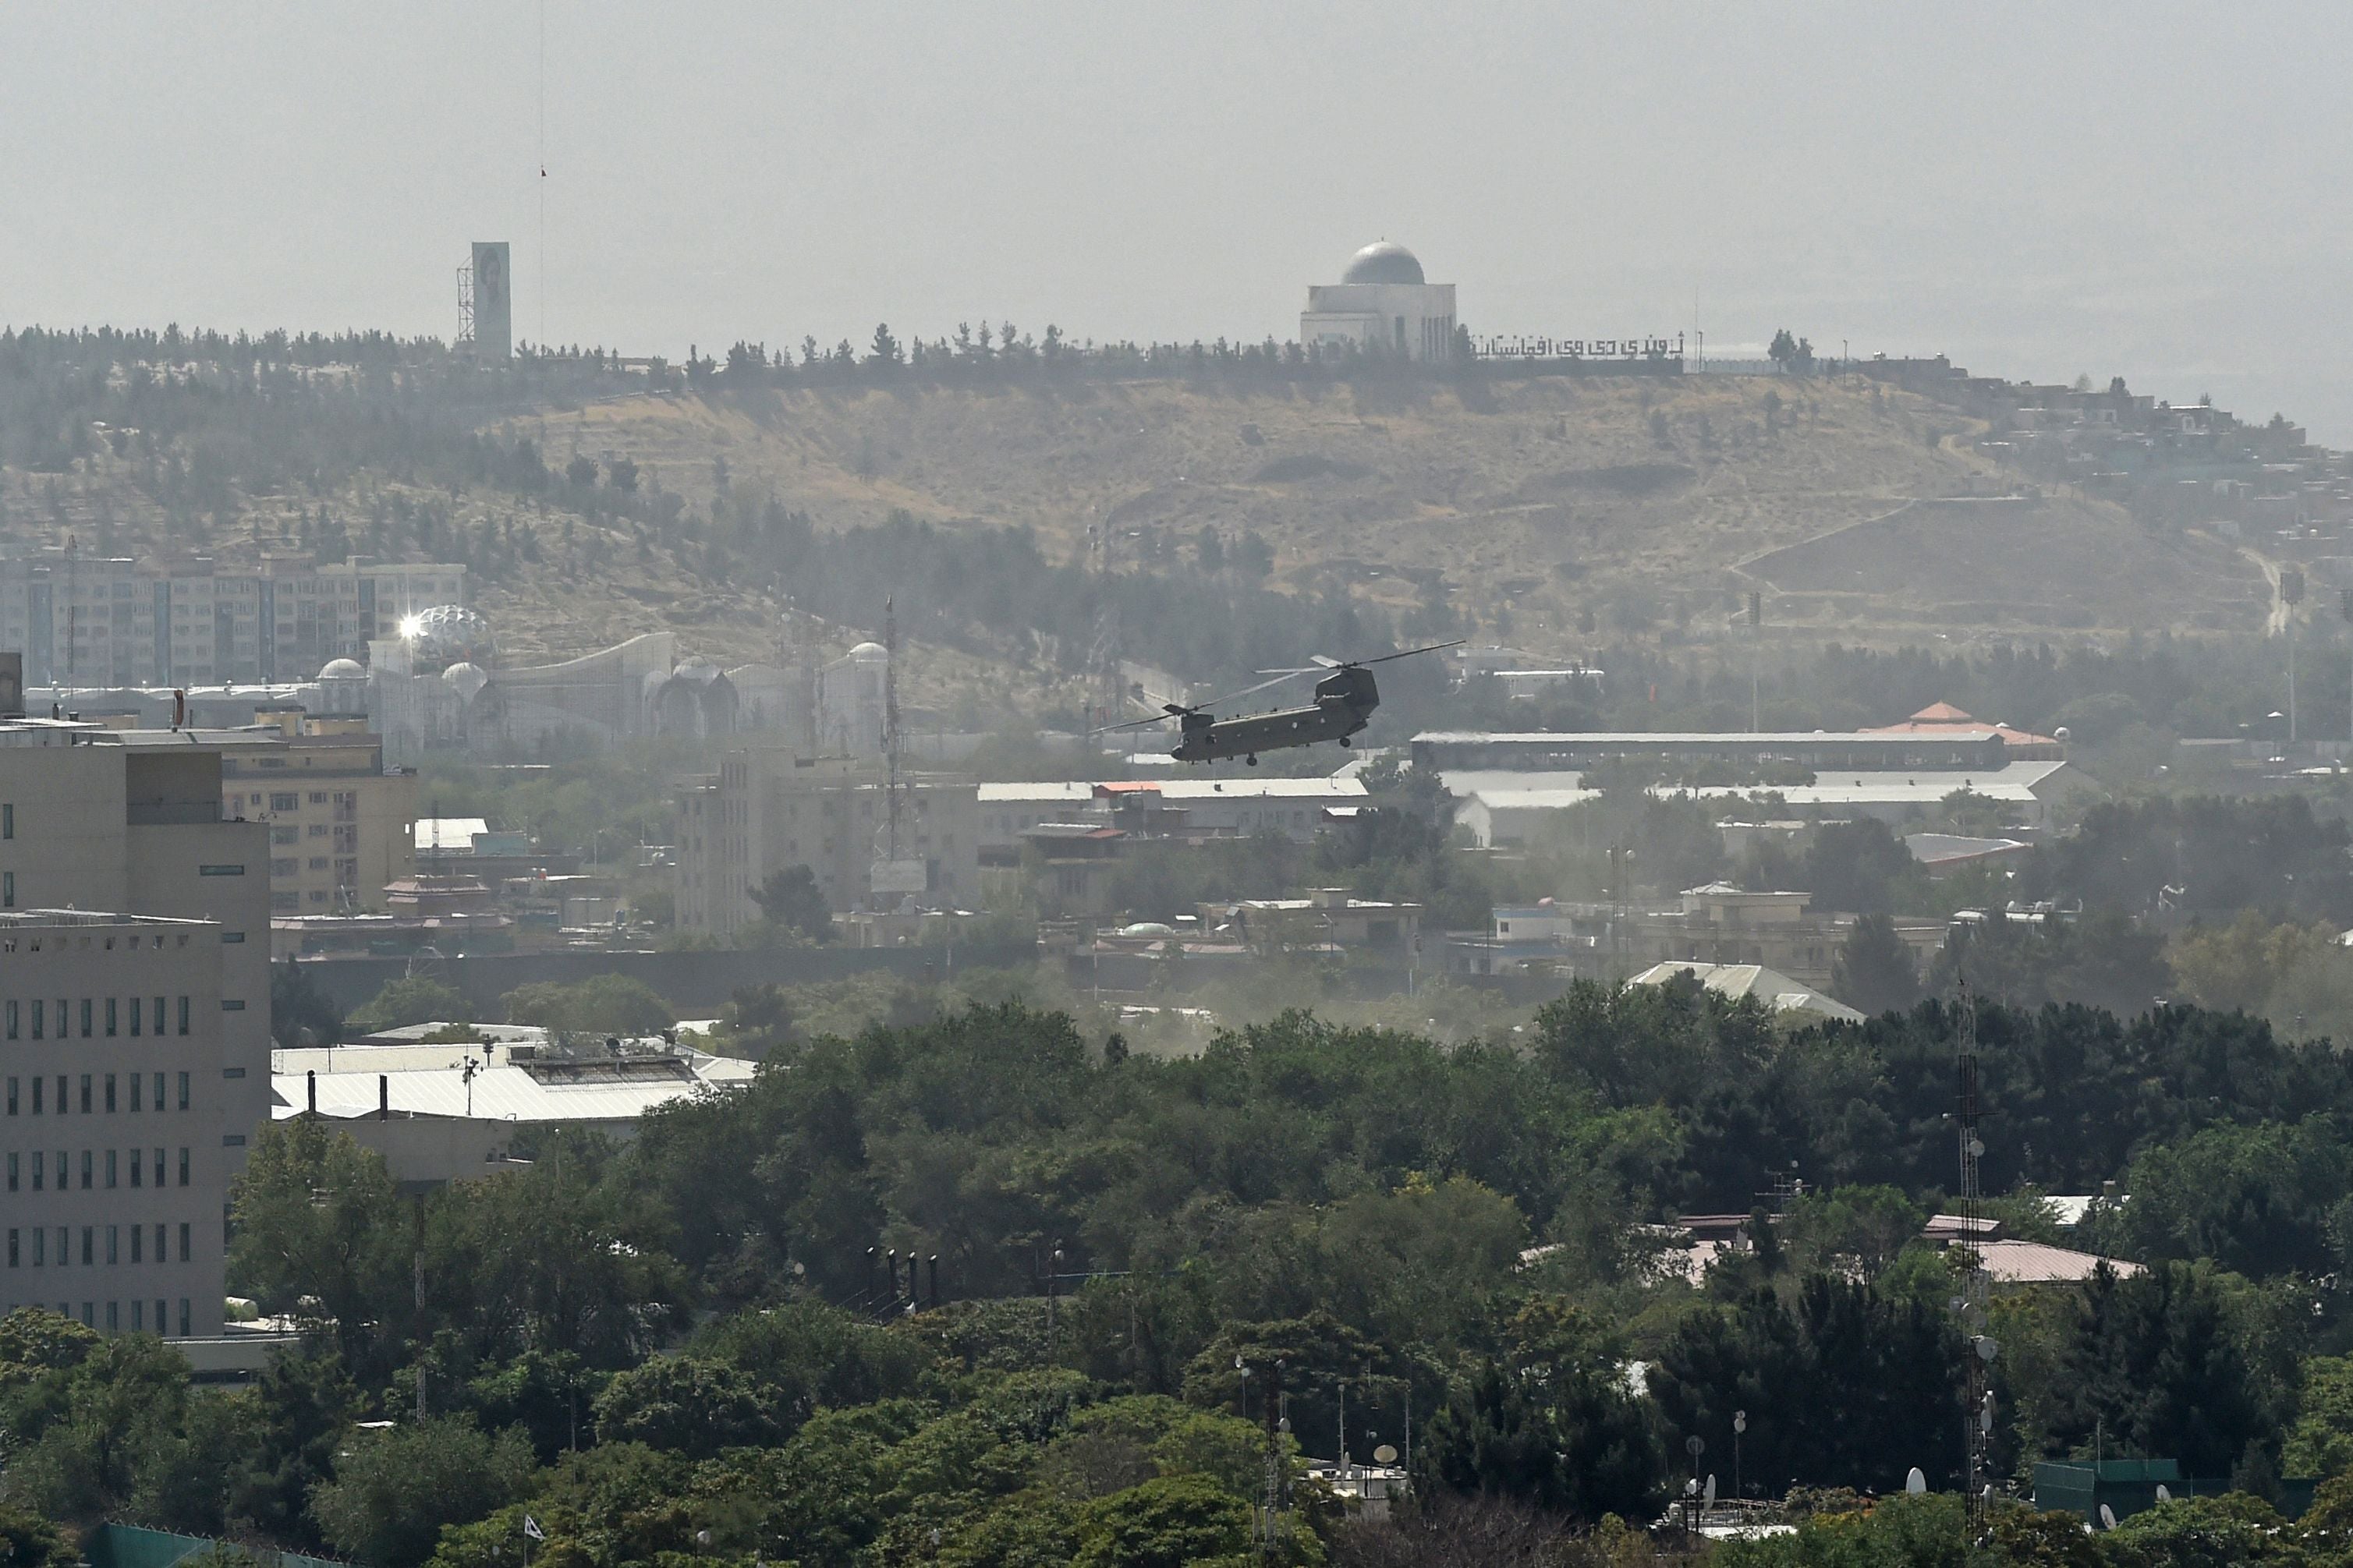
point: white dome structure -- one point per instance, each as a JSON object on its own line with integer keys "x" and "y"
{"x": 1384, "y": 305}
{"x": 467, "y": 680}
{"x": 447, "y": 635}
{"x": 342, "y": 670}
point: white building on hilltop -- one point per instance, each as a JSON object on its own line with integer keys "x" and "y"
{"x": 1383, "y": 306}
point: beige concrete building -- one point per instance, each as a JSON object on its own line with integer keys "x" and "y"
{"x": 342, "y": 825}
{"x": 767, "y": 809}
{"x": 97, "y": 821}
{"x": 115, "y": 1165}
{"x": 94, "y": 620}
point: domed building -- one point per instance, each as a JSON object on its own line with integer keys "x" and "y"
{"x": 1382, "y": 306}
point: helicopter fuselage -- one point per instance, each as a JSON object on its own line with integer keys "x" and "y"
{"x": 1345, "y": 700}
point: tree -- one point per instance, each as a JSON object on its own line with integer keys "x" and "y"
{"x": 1565, "y": 1437}
{"x": 687, "y": 1405}
{"x": 1172, "y": 1521}
{"x": 322, "y": 1234}
{"x": 791, "y": 898}
{"x": 1861, "y": 1383}
{"x": 1784, "y": 351}
{"x": 1873, "y": 970}
{"x": 602, "y": 1005}
{"x": 393, "y": 1490}
{"x": 2152, "y": 1366}
{"x": 29, "y": 1541}
{"x": 884, "y": 352}
{"x": 1860, "y": 866}
{"x": 413, "y": 999}
{"x": 298, "y": 1008}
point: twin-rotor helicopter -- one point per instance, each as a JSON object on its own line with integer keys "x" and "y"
{"x": 1344, "y": 703}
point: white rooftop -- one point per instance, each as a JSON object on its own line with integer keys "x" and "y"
{"x": 1771, "y": 986}
{"x": 1180, "y": 789}
{"x": 450, "y": 831}
{"x": 431, "y": 1080}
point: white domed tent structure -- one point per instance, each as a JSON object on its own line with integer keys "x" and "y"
{"x": 1383, "y": 306}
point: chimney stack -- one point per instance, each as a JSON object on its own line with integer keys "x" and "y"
{"x": 312, "y": 1085}
{"x": 383, "y": 1097}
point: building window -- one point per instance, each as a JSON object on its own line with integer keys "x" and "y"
{"x": 137, "y": 1255}
{"x": 138, "y": 1165}
{"x": 89, "y": 1257}
{"x": 89, "y": 1171}
{"x": 184, "y": 1181}
{"x": 113, "y": 1255}
{"x": 232, "y": 1004}
{"x": 110, "y": 1168}
{"x": 159, "y": 1090}
{"x": 7, "y": 821}
{"x": 110, "y": 1094}
{"x": 110, "y": 1023}
{"x": 184, "y": 1250}
{"x": 183, "y": 1029}
{"x": 11, "y": 1173}
{"x": 86, "y": 1017}
{"x": 85, "y": 1094}
{"x": 7, "y": 889}
{"x": 183, "y": 1301}
{"x": 286, "y": 800}
{"x": 12, "y": 1246}
{"x": 183, "y": 1092}
{"x": 36, "y": 1019}
{"x": 159, "y": 1182}
{"x": 135, "y": 1011}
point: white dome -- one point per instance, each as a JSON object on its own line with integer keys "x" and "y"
{"x": 467, "y": 678}
{"x": 869, "y": 652}
{"x": 342, "y": 670}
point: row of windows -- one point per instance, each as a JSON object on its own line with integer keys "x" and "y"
{"x": 114, "y": 1315}
{"x": 30, "y": 1246}
{"x": 92, "y": 1161}
{"x": 91, "y": 1101}
{"x": 108, "y": 1011}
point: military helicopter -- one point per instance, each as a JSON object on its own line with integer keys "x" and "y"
{"x": 1344, "y": 703}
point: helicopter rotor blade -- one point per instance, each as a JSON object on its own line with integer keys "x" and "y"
{"x": 1408, "y": 652}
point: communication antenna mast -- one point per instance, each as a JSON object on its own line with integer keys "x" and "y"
{"x": 465, "y": 307}
{"x": 891, "y": 723}
{"x": 1979, "y": 1353}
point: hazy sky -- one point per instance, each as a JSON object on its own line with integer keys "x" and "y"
{"x": 2156, "y": 191}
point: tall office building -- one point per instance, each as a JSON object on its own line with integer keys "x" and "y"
{"x": 130, "y": 823}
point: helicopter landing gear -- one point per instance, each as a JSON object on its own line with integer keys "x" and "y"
{"x": 1253, "y": 759}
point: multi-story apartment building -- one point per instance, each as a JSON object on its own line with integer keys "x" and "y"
{"x": 766, "y": 809}
{"x": 94, "y": 820}
{"x": 109, "y": 1141}
{"x": 342, "y": 825}
{"x": 85, "y": 620}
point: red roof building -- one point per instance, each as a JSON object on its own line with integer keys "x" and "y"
{"x": 1939, "y": 718}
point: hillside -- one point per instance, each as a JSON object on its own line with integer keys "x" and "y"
{"x": 1566, "y": 511}
{"x": 1566, "y": 515}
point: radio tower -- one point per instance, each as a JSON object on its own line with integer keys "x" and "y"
{"x": 1978, "y": 1351}
{"x": 891, "y": 724}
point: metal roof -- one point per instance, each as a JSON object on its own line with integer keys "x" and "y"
{"x": 423, "y": 1080}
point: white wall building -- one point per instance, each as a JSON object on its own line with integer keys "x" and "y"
{"x": 1382, "y": 305}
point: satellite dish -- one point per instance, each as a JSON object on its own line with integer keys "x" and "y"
{"x": 1977, "y": 1147}
{"x": 1986, "y": 1349}
{"x": 1384, "y": 1454}
{"x": 1710, "y": 1494}
{"x": 1915, "y": 1483}
{"x": 2163, "y": 1495}
{"x": 1740, "y": 1421}
{"x": 1695, "y": 1446}
{"x": 2107, "y": 1517}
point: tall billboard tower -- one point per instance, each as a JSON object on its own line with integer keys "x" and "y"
{"x": 486, "y": 302}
